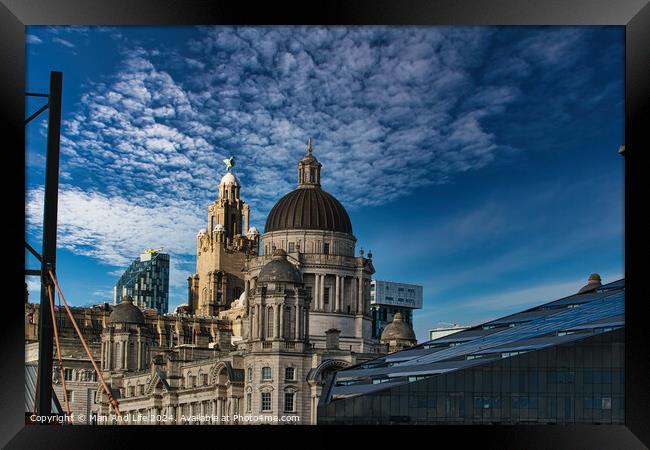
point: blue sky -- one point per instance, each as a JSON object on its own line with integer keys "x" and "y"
{"x": 479, "y": 162}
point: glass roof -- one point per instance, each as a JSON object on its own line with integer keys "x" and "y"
{"x": 575, "y": 317}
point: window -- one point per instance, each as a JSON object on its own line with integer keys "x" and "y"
{"x": 288, "y": 401}
{"x": 326, "y": 296}
{"x": 289, "y": 373}
{"x": 250, "y": 374}
{"x": 266, "y": 401}
{"x": 249, "y": 402}
{"x": 606, "y": 403}
{"x": 292, "y": 247}
{"x": 326, "y": 248}
{"x": 141, "y": 389}
{"x": 70, "y": 395}
{"x": 205, "y": 379}
{"x": 266, "y": 373}
{"x": 67, "y": 374}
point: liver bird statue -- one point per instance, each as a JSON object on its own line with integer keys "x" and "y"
{"x": 230, "y": 163}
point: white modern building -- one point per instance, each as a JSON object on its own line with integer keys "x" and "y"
{"x": 447, "y": 329}
{"x": 387, "y": 298}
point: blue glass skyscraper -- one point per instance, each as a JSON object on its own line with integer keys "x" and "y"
{"x": 147, "y": 281}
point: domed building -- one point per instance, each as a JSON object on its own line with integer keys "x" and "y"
{"x": 269, "y": 316}
{"x": 126, "y": 341}
{"x": 315, "y": 231}
{"x": 398, "y": 335}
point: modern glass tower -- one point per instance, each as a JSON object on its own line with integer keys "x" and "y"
{"x": 147, "y": 281}
{"x": 561, "y": 362}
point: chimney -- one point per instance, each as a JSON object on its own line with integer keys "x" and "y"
{"x": 332, "y": 339}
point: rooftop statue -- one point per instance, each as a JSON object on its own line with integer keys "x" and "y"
{"x": 230, "y": 163}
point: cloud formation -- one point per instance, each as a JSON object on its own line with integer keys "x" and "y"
{"x": 391, "y": 109}
{"x": 114, "y": 231}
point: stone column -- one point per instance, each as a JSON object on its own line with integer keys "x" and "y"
{"x": 306, "y": 319}
{"x": 281, "y": 322}
{"x": 337, "y": 294}
{"x": 316, "y": 291}
{"x": 297, "y": 332}
{"x": 261, "y": 318}
{"x": 360, "y": 295}
{"x": 224, "y": 289}
{"x": 247, "y": 287}
{"x": 139, "y": 352}
{"x": 276, "y": 320}
{"x": 126, "y": 354}
{"x": 321, "y": 295}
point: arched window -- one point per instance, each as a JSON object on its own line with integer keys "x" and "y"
{"x": 266, "y": 373}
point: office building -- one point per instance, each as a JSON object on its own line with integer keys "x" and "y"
{"x": 146, "y": 281}
{"x": 449, "y": 328}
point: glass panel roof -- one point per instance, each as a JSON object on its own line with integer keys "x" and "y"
{"x": 549, "y": 324}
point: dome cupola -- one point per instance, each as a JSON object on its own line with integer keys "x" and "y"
{"x": 308, "y": 207}
{"x": 398, "y": 330}
{"x": 279, "y": 270}
{"x": 593, "y": 283}
{"x": 126, "y": 312}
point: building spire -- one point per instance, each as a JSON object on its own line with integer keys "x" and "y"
{"x": 309, "y": 169}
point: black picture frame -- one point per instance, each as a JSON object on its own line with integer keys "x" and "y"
{"x": 633, "y": 14}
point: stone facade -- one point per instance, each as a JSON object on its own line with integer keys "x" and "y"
{"x": 262, "y": 333}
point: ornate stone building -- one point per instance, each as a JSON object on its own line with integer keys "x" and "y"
{"x": 221, "y": 251}
{"x": 269, "y": 318}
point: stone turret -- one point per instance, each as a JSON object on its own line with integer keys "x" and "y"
{"x": 593, "y": 283}
{"x": 398, "y": 335}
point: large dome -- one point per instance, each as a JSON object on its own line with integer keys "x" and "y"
{"x": 126, "y": 312}
{"x": 308, "y": 209}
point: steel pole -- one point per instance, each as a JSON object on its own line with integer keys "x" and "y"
{"x": 45, "y": 331}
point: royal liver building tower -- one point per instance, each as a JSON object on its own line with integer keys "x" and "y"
{"x": 269, "y": 318}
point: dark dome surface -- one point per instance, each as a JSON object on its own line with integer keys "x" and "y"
{"x": 126, "y": 312}
{"x": 308, "y": 209}
{"x": 279, "y": 270}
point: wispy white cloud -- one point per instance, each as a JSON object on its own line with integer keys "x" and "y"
{"x": 114, "y": 231}
{"x": 63, "y": 42}
{"x": 33, "y": 39}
